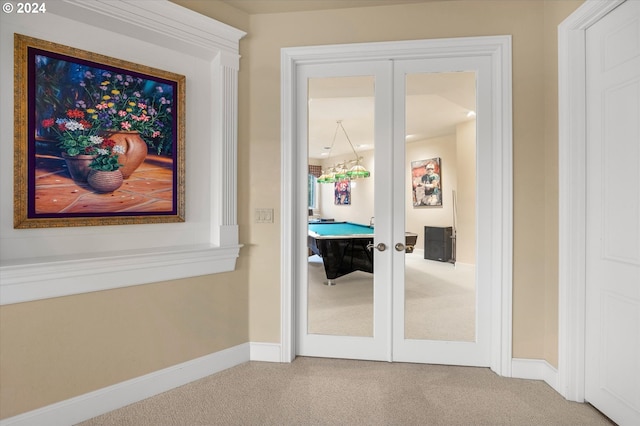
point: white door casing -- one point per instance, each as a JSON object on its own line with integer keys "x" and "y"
{"x": 612, "y": 339}
{"x": 294, "y": 213}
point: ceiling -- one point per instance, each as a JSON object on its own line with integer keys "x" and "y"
{"x": 254, "y": 7}
{"x": 435, "y": 104}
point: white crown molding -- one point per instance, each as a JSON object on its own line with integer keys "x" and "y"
{"x": 160, "y": 17}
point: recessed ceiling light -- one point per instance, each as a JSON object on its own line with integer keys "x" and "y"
{"x": 471, "y": 114}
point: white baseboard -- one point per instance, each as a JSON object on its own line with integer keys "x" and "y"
{"x": 535, "y": 369}
{"x": 269, "y": 352}
{"x": 92, "y": 404}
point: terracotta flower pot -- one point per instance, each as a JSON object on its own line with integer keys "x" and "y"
{"x": 105, "y": 181}
{"x": 78, "y": 166}
{"x": 135, "y": 150}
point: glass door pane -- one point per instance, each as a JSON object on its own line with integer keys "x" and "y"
{"x": 440, "y": 162}
{"x": 340, "y": 288}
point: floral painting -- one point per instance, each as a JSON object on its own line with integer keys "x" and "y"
{"x": 102, "y": 142}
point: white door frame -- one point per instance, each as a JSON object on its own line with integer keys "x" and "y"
{"x": 573, "y": 193}
{"x": 498, "y": 48}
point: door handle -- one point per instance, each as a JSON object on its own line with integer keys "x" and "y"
{"x": 379, "y": 246}
{"x": 400, "y": 247}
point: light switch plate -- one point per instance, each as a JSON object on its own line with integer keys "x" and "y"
{"x": 264, "y": 215}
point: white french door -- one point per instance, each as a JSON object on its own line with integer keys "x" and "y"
{"x": 441, "y": 311}
{"x": 413, "y": 307}
{"x": 359, "y": 329}
{"x": 396, "y": 317}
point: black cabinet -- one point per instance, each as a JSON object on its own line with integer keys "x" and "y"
{"x": 437, "y": 243}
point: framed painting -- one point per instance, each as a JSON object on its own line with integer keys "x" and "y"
{"x": 426, "y": 182}
{"x": 342, "y": 191}
{"x": 98, "y": 140}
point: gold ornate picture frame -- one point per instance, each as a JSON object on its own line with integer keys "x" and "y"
{"x": 98, "y": 140}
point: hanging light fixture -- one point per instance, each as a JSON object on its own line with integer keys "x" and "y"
{"x": 339, "y": 171}
{"x": 328, "y": 176}
{"x": 358, "y": 170}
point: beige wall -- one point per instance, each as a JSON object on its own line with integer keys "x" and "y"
{"x": 532, "y": 25}
{"x": 54, "y": 349}
{"x": 465, "y": 193}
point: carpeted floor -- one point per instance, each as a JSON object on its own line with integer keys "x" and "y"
{"x": 316, "y": 391}
{"x": 440, "y": 301}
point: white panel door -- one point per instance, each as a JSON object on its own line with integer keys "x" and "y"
{"x": 612, "y": 354}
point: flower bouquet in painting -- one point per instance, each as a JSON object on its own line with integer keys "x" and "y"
{"x": 89, "y": 102}
{"x": 87, "y": 155}
{"x": 105, "y": 174}
{"x": 77, "y": 140}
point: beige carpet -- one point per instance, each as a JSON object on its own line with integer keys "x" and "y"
{"x": 439, "y": 301}
{"x": 315, "y": 391}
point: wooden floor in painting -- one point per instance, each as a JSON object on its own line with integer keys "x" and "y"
{"x": 148, "y": 189}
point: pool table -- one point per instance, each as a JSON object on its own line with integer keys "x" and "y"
{"x": 342, "y": 246}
